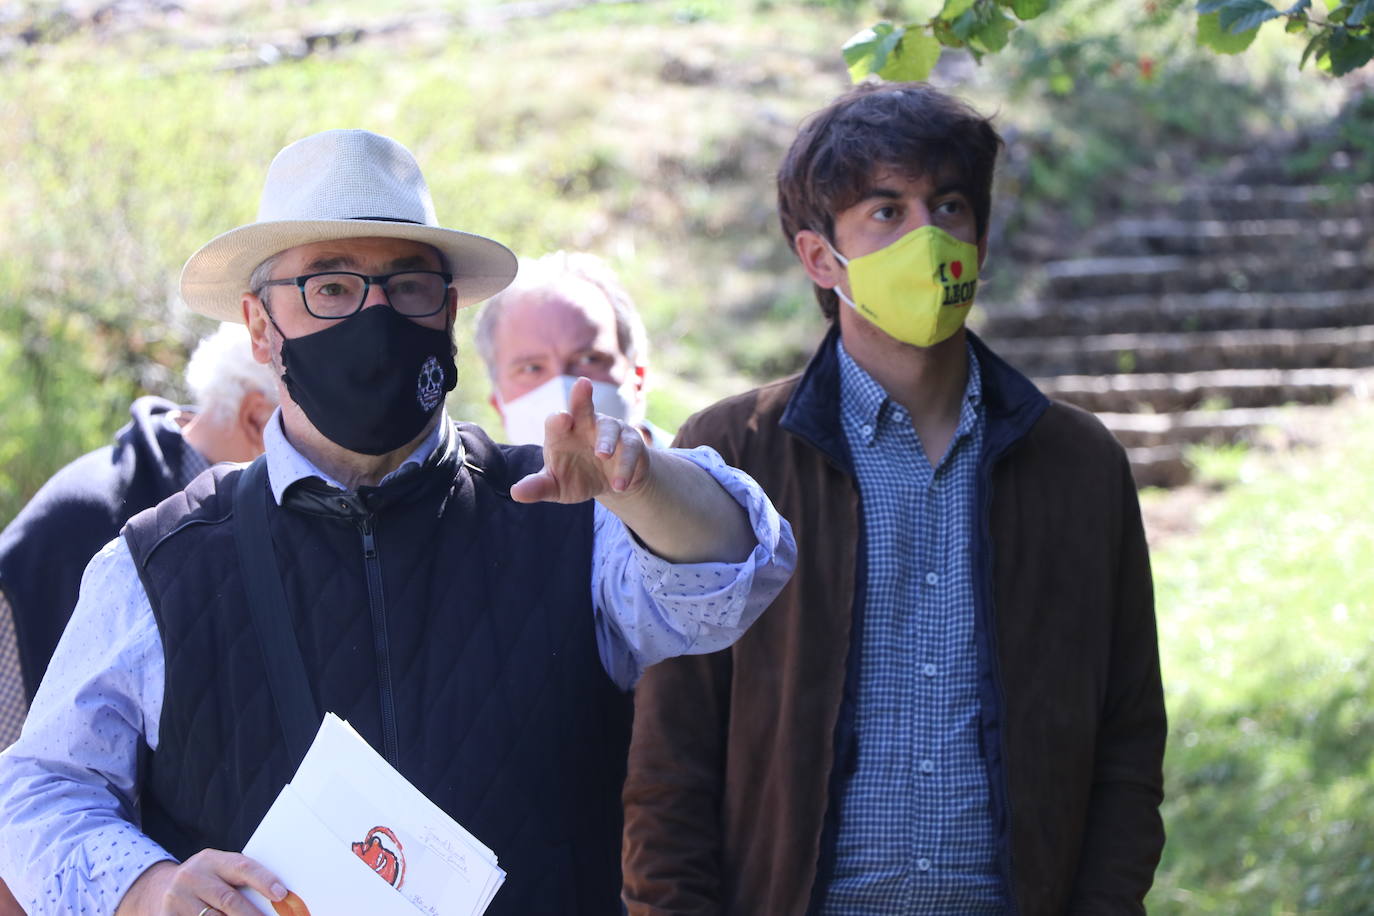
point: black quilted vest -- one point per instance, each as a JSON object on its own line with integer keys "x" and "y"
{"x": 504, "y": 715}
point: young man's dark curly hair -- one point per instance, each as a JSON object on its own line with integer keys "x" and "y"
{"x": 910, "y": 128}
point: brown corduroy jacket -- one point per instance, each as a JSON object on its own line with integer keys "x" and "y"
{"x": 737, "y": 757}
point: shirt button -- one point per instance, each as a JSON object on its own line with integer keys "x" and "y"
{"x": 866, "y": 429}
{"x": 931, "y": 578}
{"x": 923, "y": 864}
{"x": 927, "y": 766}
{"x": 928, "y": 669}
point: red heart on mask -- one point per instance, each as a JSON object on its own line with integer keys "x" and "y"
{"x": 956, "y": 268}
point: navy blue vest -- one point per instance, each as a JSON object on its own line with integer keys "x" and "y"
{"x": 504, "y": 715}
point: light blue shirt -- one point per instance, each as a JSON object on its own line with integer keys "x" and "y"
{"x": 69, "y": 786}
{"x": 916, "y": 834}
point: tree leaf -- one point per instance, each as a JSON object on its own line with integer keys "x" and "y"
{"x": 964, "y": 27}
{"x": 1298, "y": 9}
{"x": 1211, "y": 6}
{"x": 1349, "y": 52}
{"x": 945, "y": 35}
{"x": 867, "y": 51}
{"x": 995, "y": 32}
{"x": 1244, "y": 15}
{"x": 913, "y": 58}
{"x": 1295, "y": 26}
{"x": 1029, "y": 9}
{"x": 1317, "y": 46}
{"x": 923, "y": 10}
{"x": 1360, "y": 12}
{"x": 953, "y": 9}
{"x": 1210, "y": 34}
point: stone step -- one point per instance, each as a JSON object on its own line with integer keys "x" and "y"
{"x": 1180, "y": 312}
{"x": 1159, "y": 466}
{"x": 1081, "y": 278}
{"x": 1318, "y": 348}
{"x": 1145, "y": 237}
{"x": 1169, "y": 393}
{"x": 1241, "y": 201}
{"x": 1193, "y": 427}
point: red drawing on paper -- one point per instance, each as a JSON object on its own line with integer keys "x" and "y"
{"x": 291, "y": 906}
{"x": 382, "y": 853}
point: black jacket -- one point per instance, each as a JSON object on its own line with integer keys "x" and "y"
{"x": 44, "y": 551}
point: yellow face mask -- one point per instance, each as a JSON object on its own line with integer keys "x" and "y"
{"x": 918, "y": 289}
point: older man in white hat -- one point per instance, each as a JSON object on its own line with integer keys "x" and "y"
{"x": 475, "y": 611}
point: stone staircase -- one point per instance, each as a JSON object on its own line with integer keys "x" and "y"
{"x": 1233, "y": 309}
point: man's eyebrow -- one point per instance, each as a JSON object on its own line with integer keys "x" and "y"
{"x": 412, "y": 262}
{"x": 344, "y": 262}
{"x": 881, "y": 193}
{"x": 524, "y": 357}
{"x": 338, "y": 262}
{"x": 952, "y": 187}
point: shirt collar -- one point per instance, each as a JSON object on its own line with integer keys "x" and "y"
{"x": 866, "y": 407}
{"x": 286, "y": 465}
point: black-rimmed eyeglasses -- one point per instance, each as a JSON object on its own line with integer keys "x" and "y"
{"x": 341, "y": 293}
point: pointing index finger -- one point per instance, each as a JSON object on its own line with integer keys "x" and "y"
{"x": 580, "y": 401}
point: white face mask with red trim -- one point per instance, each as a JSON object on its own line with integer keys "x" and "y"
{"x": 918, "y": 289}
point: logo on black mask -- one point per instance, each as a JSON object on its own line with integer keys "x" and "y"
{"x": 430, "y": 387}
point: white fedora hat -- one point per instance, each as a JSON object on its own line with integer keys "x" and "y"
{"x": 339, "y": 184}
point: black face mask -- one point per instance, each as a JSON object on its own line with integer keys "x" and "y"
{"x": 371, "y": 382}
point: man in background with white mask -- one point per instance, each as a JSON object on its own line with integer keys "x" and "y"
{"x": 565, "y": 316}
{"x": 955, "y": 704}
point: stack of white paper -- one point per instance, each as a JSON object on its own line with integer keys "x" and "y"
{"x": 351, "y": 835}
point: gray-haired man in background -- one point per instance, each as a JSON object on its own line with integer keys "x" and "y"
{"x": 161, "y": 449}
{"x": 565, "y": 315}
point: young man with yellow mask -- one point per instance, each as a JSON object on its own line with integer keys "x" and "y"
{"x": 955, "y": 705}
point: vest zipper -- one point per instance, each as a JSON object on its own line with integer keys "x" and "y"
{"x": 377, "y": 604}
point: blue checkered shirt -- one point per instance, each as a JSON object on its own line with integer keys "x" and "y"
{"x": 916, "y": 833}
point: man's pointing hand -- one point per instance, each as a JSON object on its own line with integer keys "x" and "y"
{"x": 586, "y": 454}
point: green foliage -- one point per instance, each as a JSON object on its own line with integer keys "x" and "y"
{"x": 891, "y": 53}
{"x": 910, "y": 51}
{"x": 1339, "y": 43}
{"x": 1212, "y": 34}
{"x": 1268, "y": 665}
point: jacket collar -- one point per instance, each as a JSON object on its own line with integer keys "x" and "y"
{"x": 437, "y": 469}
{"x": 813, "y": 410}
{"x": 1012, "y": 402}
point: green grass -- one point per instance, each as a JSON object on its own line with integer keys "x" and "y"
{"x": 1268, "y": 652}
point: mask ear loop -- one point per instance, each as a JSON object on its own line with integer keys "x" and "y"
{"x": 262, "y": 298}
{"x": 844, "y": 262}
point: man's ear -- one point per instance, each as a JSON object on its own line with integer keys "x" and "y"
{"x": 639, "y": 372}
{"x": 817, "y": 260}
{"x": 255, "y": 317}
{"x": 495, "y": 403}
{"x": 255, "y": 409}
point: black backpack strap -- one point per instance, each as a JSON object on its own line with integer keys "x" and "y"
{"x": 268, "y": 610}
